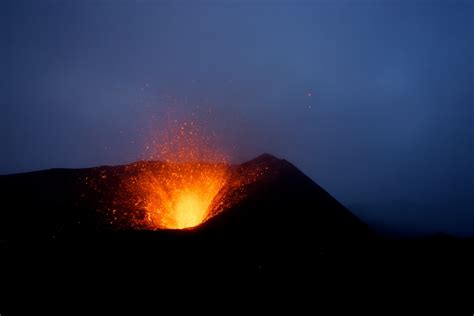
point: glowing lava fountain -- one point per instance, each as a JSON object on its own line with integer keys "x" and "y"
{"x": 184, "y": 189}
{"x": 180, "y": 195}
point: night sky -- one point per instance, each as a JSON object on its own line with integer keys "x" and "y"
{"x": 372, "y": 99}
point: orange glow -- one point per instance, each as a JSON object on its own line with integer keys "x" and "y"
{"x": 177, "y": 196}
{"x": 181, "y": 191}
{"x": 184, "y": 182}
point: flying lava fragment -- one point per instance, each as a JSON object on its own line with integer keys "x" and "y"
{"x": 178, "y": 195}
{"x": 179, "y": 186}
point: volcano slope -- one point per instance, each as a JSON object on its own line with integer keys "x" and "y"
{"x": 280, "y": 226}
{"x": 274, "y": 204}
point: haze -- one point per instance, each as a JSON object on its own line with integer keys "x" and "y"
{"x": 371, "y": 99}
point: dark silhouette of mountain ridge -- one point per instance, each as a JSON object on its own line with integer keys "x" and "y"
{"x": 283, "y": 231}
{"x": 54, "y": 203}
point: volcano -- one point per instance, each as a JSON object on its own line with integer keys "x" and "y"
{"x": 268, "y": 213}
{"x": 271, "y": 196}
{"x": 268, "y": 224}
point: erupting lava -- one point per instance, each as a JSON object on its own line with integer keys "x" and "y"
{"x": 180, "y": 195}
{"x": 183, "y": 182}
{"x": 183, "y": 190}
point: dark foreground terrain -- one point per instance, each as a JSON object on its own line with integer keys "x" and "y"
{"x": 286, "y": 246}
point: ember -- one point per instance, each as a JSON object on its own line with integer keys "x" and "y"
{"x": 180, "y": 192}
{"x": 179, "y": 195}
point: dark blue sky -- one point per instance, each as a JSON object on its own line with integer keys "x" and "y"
{"x": 388, "y": 128}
